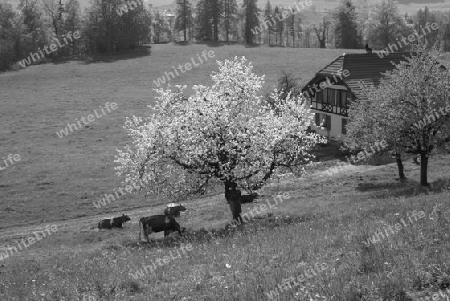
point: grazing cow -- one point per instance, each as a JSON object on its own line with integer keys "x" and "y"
{"x": 105, "y": 224}
{"x": 174, "y": 209}
{"x": 158, "y": 223}
{"x": 116, "y": 222}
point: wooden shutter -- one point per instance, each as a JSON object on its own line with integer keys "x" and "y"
{"x": 343, "y": 100}
{"x": 319, "y": 96}
{"x": 317, "y": 116}
{"x": 328, "y": 122}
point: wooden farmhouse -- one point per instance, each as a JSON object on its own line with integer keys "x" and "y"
{"x": 336, "y": 85}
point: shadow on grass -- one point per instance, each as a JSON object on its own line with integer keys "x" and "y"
{"x": 182, "y": 43}
{"x": 403, "y": 188}
{"x": 256, "y": 224}
{"x": 118, "y": 56}
{"x": 211, "y": 43}
{"x": 329, "y": 151}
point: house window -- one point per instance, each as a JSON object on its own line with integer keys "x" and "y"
{"x": 331, "y": 95}
{"x": 326, "y": 119}
{"x": 344, "y": 126}
{"x": 317, "y": 119}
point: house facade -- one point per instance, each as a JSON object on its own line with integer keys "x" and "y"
{"x": 337, "y": 85}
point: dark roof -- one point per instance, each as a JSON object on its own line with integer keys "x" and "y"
{"x": 362, "y": 67}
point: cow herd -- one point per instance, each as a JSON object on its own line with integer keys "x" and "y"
{"x": 150, "y": 224}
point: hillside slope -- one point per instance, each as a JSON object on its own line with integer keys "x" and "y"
{"x": 60, "y": 178}
{"x": 325, "y": 221}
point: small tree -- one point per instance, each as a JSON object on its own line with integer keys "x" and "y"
{"x": 226, "y": 131}
{"x": 288, "y": 85}
{"x": 251, "y": 20}
{"x": 410, "y": 109}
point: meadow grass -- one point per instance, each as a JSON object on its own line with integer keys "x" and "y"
{"x": 326, "y": 219}
{"x": 59, "y": 179}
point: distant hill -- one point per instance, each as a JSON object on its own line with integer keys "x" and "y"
{"x": 420, "y": 1}
{"x": 324, "y": 7}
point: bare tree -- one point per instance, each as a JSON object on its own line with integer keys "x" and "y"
{"x": 321, "y": 31}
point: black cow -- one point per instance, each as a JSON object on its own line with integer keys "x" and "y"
{"x": 174, "y": 209}
{"x": 116, "y": 222}
{"x": 158, "y": 223}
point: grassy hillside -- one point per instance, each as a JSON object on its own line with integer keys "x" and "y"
{"x": 324, "y": 225}
{"x": 60, "y": 178}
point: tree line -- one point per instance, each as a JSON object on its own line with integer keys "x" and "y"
{"x": 104, "y": 27}
{"x": 116, "y": 25}
{"x": 348, "y": 26}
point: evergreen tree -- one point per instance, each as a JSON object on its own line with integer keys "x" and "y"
{"x": 10, "y": 36}
{"x": 268, "y": 15}
{"x": 72, "y": 22}
{"x": 229, "y": 17}
{"x": 216, "y": 10}
{"x": 203, "y": 21}
{"x": 346, "y": 26}
{"x": 183, "y": 18}
{"x": 160, "y": 27}
{"x": 424, "y": 17}
{"x": 251, "y": 20}
{"x": 114, "y": 25}
{"x": 33, "y": 35}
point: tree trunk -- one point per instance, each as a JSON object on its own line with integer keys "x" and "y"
{"x": 233, "y": 197}
{"x": 401, "y": 172}
{"x": 423, "y": 169}
{"x": 322, "y": 42}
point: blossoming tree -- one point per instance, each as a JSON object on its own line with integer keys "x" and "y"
{"x": 410, "y": 109}
{"x": 227, "y": 132}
